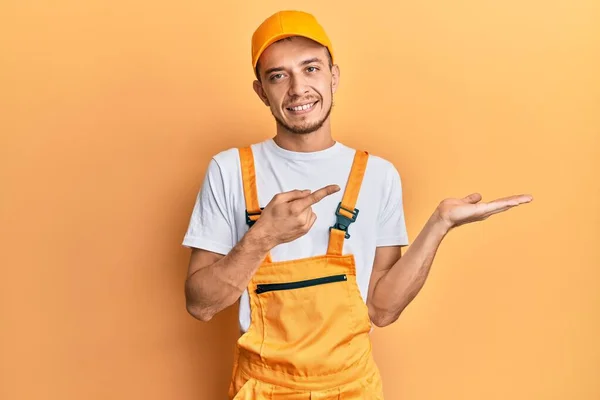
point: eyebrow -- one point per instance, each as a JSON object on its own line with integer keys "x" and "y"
{"x": 305, "y": 62}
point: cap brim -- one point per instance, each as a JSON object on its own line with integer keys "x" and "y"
{"x": 283, "y": 36}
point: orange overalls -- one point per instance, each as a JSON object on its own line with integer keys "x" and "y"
{"x": 309, "y": 331}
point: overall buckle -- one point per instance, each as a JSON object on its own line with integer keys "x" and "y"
{"x": 342, "y": 222}
{"x": 248, "y": 220}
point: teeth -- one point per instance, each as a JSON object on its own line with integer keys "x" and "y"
{"x": 302, "y": 108}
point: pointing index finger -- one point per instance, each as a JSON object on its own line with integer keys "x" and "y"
{"x": 318, "y": 195}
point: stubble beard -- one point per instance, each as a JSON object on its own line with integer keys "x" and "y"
{"x": 304, "y": 129}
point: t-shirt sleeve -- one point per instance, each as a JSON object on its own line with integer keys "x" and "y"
{"x": 211, "y": 227}
{"x": 392, "y": 226}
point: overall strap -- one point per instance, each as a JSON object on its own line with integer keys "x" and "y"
{"x": 253, "y": 210}
{"x": 346, "y": 213}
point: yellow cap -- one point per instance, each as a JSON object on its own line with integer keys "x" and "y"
{"x": 285, "y": 24}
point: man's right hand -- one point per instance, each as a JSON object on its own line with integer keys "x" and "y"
{"x": 289, "y": 215}
{"x": 215, "y": 281}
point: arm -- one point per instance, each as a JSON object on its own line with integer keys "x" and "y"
{"x": 215, "y": 282}
{"x": 396, "y": 279}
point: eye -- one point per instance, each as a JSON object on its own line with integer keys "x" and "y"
{"x": 276, "y": 77}
{"x": 312, "y": 69}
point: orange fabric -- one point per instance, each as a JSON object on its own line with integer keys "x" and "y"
{"x": 249, "y": 181}
{"x": 336, "y": 242}
{"x": 357, "y": 172}
{"x": 309, "y": 331}
{"x": 285, "y": 24}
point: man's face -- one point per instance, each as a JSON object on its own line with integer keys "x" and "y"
{"x": 297, "y": 84}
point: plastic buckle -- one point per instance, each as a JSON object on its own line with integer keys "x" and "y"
{"x": 342, "y": 222}
{"x": 248, "y": 220}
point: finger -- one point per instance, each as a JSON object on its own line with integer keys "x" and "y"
{"x": 496, "y": 211}
{"x": 291, "y": 195}
{"x": 472, "y": 198}
{"x": 511, "y": 201}
{"x": 317, "y": 196}
{"x": 514, "y": 200}
{"x": 493, "y": 207}
{"x": 311, "y": 221}
{"x": 498, "y": 208}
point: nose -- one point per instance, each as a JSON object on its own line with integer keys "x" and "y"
{"x": 298, "y": 86}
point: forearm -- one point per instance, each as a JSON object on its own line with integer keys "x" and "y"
{"x": 399, "y": 286}
{"x": 213, "y": 288}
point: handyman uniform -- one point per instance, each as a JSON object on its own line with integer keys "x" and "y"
{"x": 309, "y": 335}
{"x": 303, "y": 315}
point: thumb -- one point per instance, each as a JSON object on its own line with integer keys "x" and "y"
{"x": 472, "y": 198}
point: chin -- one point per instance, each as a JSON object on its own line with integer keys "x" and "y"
{"x": 304, "y": 129}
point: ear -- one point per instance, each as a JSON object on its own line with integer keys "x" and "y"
{"x": 335, "y": 77}
{"x": 260, "y": 92}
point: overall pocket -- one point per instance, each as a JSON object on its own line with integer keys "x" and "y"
{"x": 308, "y": 324}
{"x": 268, "y": 287}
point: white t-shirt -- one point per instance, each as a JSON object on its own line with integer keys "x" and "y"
{"x": 218, "y": 220}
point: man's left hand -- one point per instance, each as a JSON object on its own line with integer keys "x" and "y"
{"x": 456, "y": 212}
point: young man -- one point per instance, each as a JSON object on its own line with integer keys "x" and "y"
{"x": 307, "y": 234}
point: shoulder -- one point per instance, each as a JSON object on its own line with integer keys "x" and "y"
{"x": 384, "y": 174}
{"x": 226, "y": 156}
{"x": 382, "y": 165}
{"x": 227, "y": 163}
{"x": 378, "y": 166}
{"x": 231, "y": 156}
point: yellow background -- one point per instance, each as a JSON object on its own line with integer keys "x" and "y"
{"x": 110, "y": 112}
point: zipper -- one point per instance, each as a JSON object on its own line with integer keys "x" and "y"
{"x": 268, "y": 287}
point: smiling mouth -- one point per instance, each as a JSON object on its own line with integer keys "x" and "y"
{"x": 302, "y": 108}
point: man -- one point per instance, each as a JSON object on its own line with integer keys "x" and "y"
{"x": 307, "y": 234}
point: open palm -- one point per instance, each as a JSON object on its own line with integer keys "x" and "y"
{"x": 456, "y": 212}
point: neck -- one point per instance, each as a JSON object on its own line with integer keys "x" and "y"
{"x": 320, "y": 139}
